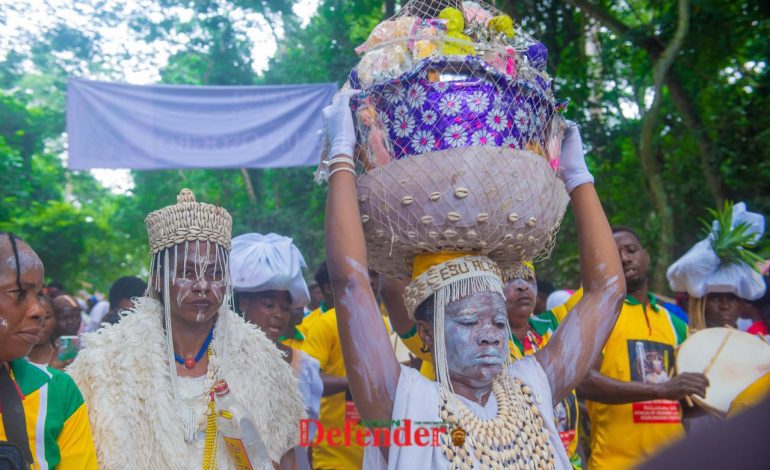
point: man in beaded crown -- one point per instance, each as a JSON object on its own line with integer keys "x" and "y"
{"x": 506, "y": 410}
{"x": 149, "y": 377}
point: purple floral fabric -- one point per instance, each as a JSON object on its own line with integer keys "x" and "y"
{"x": 486, "y": 108}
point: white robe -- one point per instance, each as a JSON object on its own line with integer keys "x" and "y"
{"x": 307, "y": 370}
{"x": 124, "y": 374}
{"x": 417, "y": 399}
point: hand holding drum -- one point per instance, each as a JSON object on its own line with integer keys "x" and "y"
{"x": 731, "y": 360}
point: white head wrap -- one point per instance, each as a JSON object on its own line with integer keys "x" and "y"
{"x": 700, "y": 271}
{"x": 268, "y": 262}
{"x": 556, "y": 298}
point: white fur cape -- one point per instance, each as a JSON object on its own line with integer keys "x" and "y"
{"x": 124, "y": 375}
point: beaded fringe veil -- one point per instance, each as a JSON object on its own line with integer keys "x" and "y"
{"x": 159, "y": 288}
{"x": 164, "y": 272}
{"x": 185, "y": 224}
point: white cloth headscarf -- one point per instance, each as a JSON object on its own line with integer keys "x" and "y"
{"x": 268, "y": 262}
{"x": 556, "y": 298}
{"x": 700, "y": 271}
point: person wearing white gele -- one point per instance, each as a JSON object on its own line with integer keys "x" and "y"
{"x": 499, "y": 414}
{"x": 267, "y": 276}
{"x": 721, "y": 275}
{"x": 149, "y": 379}
{"x": 720, "y": 272}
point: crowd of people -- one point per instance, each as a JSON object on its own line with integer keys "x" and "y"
{"x": 581, "y": 378}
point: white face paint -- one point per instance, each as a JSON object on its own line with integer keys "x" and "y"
{"x": 358, "y": 297}
{"x": 198, "y": 276}
{"x": 475, "y": 334}
{"x": 185, "y": 287}
{"x": 3, "y": 323}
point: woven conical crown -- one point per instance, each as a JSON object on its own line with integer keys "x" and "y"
{"x": 188, "y": 220}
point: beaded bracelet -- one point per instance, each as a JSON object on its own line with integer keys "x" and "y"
{"x": 342, "y": 168}
{"x": 324, "y": 172}
{"x": 340, "y": 159}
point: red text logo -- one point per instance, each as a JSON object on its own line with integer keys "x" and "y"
{"x": 400, "y": 433}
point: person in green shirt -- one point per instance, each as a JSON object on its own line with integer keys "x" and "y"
{"x": 57, "y": 433}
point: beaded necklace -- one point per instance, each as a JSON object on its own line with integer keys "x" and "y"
{"x": 515, "y": 438}
{"x": 190, "y": 362}
{"x": 210, "y": 442}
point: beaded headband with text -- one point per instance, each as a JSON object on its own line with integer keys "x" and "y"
{"x": 446, "y": 273}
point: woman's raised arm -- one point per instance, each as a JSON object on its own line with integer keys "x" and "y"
{"x": 370, "y": 362}
{"x": 580, "y": 338}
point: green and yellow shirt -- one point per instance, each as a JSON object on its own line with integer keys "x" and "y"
{"x": 640, "y": 348}
{"x": 57, "y": 421}
{"x": 295, "y": 341}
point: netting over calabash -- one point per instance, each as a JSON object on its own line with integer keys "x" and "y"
{"x": 459, "y": 137}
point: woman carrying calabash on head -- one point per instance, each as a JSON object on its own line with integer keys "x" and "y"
{"x": 505, "y": 410}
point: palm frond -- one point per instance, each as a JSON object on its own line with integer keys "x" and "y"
{"x": 731, "y": 244}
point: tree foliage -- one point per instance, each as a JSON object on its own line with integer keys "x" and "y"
{"x": 709, "y": 142}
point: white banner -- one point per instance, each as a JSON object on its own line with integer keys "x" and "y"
{"x": 151, "y": 127}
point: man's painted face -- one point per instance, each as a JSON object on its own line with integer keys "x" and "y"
{"x": 475, "y": 330}
{"x": 723, "y": 310}
{"x": 634, "y": 258}
{"x": 21, "y": 313}
{"x": 269, "y": 310}
{"x": 198, "y": 284}
{"x": 520, "y": 298}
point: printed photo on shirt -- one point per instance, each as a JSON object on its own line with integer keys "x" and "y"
{"x": 650, "y": 361}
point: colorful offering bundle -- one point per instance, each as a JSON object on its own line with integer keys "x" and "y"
{"x": 459, "y": 137}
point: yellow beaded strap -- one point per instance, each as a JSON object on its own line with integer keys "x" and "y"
{"x": 210, "y": 442}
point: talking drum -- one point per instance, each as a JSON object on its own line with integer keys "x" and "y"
{"x": 731, "y": 360}
{"x": 459, "y": 137}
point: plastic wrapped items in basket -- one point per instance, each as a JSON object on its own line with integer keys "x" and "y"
{"x": 459, "y": 137}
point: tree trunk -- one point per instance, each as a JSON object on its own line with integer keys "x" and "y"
{"x": 647, "y": 153}
{"x": 249, "y": 186}
{"x": 707, "y": 152}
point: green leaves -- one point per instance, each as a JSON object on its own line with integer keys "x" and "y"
{"x": 725, "y": 77}
{"x": 732, "y": 244}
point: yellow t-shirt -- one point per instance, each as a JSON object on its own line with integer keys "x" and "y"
{"x": 323, "y": 343}
{"x": 304, "y": 326}
{"x": 561, "y": 311}
{"x": 750, "y": 396}
{"x": 641, "y": 347}
{"x": 294, "y": 342}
